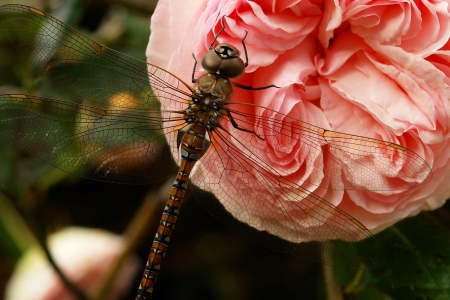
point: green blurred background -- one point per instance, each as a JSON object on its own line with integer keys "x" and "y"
{"x": 206, "y": 260}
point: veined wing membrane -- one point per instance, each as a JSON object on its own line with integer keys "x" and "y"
{"x": 86, "y": 141}
{"x": 245, "y": 166}
{"x": 97, "y": 73}
{"x": 343, "y": 161}
{"x": 289, "y": 212}
{"x": 88, "y": 70}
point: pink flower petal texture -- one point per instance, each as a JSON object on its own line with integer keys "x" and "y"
{"x": 84, "y": 256}
{"x": 377, "y": 69}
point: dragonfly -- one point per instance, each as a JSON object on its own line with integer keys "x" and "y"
{"x": 123, "y": 108}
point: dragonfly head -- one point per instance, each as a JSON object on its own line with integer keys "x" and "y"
{"x": 224, "y": 60}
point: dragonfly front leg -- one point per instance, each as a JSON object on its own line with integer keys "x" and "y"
{"x": 235, "y": 125}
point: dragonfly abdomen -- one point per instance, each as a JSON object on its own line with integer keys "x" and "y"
{"x": 192, "y": 144}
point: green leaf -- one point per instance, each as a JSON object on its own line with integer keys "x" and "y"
{"x": 417, "y": 265}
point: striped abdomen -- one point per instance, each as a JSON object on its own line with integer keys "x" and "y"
{"x": 192, "y": 144}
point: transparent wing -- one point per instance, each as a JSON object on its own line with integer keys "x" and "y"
{"x": 111, "y": 79}
{"x": 70, "y": 61}
{"x": 74, "y": 137}
{"x": 262, "y": 186}
{"x": 102, "y": 144}
{"x": 306, "y": 154}
{"x": 250, "y": 195}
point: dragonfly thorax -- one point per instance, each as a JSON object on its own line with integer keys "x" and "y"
{"x": 212, "y": 95}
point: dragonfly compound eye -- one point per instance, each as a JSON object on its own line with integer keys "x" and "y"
{"x": 232, "y": 68}
{"x": 224, "y": 60}
{"x": 211, "y": 62}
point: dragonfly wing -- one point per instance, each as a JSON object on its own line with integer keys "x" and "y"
{"x": 101, "y": 82}
{"x": 70, "y": 61}
{"x": 249, "y": 196}
{"x": 310, "y": 155}
{"x": 269, "y": 169}
{"x": 108, "y": 145}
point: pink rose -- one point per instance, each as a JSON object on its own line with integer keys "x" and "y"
{"x": 84, "y": 255}
{"x": 377, "y": 69}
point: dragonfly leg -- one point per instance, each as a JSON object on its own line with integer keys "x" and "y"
{"x": 245, "y": 49}
{"x": 194, "y": 80}
{"x": 248, "y": 87}
{"x": 235, "y": 125}
{"x": 218, "y": 33}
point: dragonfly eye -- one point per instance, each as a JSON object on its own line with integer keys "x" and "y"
{"x": 224, "y": 60}
{"x": 232, "y": 68}
{"x": 196, "y": 100}
{"x": 211, "y": 62}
